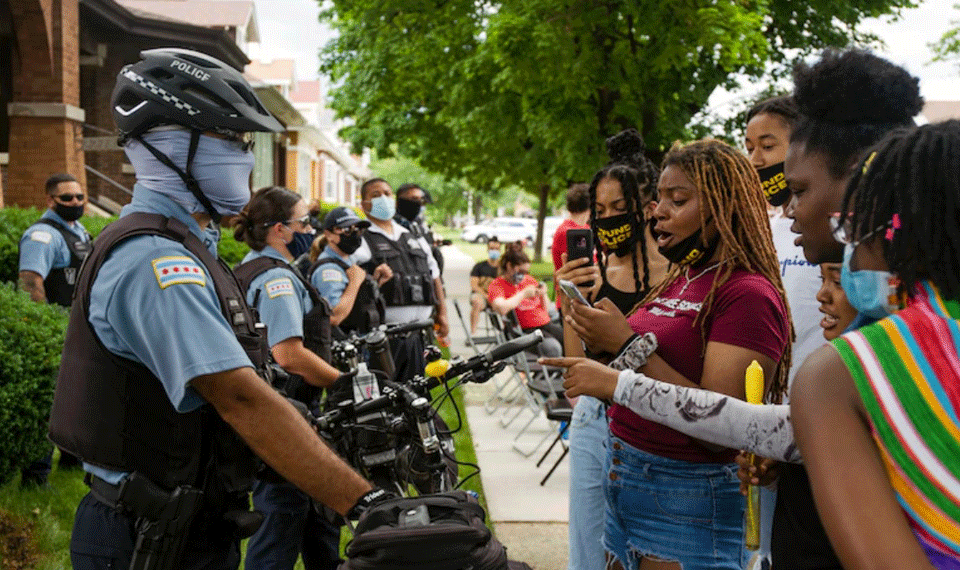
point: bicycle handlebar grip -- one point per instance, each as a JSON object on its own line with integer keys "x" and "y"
{"x": 516, "y": 345}
{"x": 409, "y": 327}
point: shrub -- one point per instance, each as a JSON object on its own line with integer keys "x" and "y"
{"x": 30, "y": 348}
{"x": 13, "y": 222}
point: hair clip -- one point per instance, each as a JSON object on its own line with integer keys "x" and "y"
{"x": 866, "y": 163}
{"x": 894, "y": 226}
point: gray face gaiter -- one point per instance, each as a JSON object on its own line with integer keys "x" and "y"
{"x": 221, "y": 168}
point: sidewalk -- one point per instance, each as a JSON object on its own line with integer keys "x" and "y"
{"x": 531, "y": 520}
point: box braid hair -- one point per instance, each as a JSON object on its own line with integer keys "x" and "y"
{"x": 908, "y": 185}
{"x": 730, "y": 194}
{"x": 638, "y": 178}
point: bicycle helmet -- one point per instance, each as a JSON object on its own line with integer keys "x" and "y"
{"x": 173, "y": 86}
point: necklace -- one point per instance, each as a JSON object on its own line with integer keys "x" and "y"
{"x": 697, "y": 276}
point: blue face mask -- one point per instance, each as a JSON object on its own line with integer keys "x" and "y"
{"x": 221, "y": 168}
{"x": 382, "y": 208}
{"x": 872, "y": 293}
{"x": 301, "y": 244}
{"x": 493, "y": 254}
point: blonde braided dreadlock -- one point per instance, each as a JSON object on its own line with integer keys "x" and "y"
{"x": 730, "y": 196}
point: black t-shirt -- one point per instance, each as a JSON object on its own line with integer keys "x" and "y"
{"x": 799, "y": 541}
{"x": 484, "y": 269}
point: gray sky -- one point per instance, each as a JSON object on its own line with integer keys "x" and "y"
{"x": 289, "y": 28}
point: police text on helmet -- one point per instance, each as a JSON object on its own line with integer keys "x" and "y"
{"x": 190, "y": 70}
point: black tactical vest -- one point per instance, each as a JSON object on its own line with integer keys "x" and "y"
{"x": 411, "y": 283}
{"x": 316, "y": 323}
{"x": 369, "y": 306}
{"x": 60, "y": 282}
{"x": 114, "y": 413}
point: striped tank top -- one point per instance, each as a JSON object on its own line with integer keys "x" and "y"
{"x": 907, "y": 371}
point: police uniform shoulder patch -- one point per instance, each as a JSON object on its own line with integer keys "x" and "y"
{"x": 178, "y": 270}
{"x": 331, "y": 275}
{"x": 279, "y": 287}
{"x": 41, "y": 236}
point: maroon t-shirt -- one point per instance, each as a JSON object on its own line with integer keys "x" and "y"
{"x": 747, "y": 312}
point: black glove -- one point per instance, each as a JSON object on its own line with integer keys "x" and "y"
{"x": 369, "y": 499}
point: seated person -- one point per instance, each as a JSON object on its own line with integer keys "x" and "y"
{"x": 515, "y": 290}
{"x": 482, "y": 274}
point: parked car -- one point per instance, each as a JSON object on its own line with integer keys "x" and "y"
{"x": 504, "y": 229}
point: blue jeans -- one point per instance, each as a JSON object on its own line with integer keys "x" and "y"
{"x": 672, "y": 510}
{"x": 291, "y": 527}
{"x": 588, "y": 436}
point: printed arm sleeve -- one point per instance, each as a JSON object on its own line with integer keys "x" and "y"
{"x": 710, "y": 416}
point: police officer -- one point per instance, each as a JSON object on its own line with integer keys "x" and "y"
{"x": 52, "y": 249}
{"x": 415, "y": 291}
{"x": 339, "y": 279}
{"x": 51, "y": 252}
{"x": 410, "y": 202}
{"x": 298, "y": 332}
{"x": 158, "y": 376}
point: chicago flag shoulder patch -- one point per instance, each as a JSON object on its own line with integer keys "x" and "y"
{"x": 278, "y": 287}
{"x": 178, "y": 270}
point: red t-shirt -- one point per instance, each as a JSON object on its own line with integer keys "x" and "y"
{"x": 747, "y": 312}
{"x": 530, "y": 312}
{"x": 560, "y": 244}
{"x": 560, "y": 240}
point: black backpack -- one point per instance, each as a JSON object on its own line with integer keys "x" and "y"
{"x": 369, "y": 308}
{"x": 445, "y": 531}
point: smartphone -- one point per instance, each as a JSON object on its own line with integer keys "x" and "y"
{"x": 580, "y": 244}
{"x": 571, "y": 290}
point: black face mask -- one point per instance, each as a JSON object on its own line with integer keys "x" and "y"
{"x": 349, "y": 243}
{"x": 616, "y": 233}
{"x": 301, "y": 244}
{"x": 518, "y": 277}
{"x": 408, "y": 208}
{"x": 68, "y": 213}
{"x": 690, "y": 251}
{"x": 774, "y": 184}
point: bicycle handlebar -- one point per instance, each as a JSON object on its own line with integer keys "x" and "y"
{"x": 395, "y": 391}
{"x": 497, "y": 353}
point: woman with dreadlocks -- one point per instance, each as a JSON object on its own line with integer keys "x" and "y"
{"x": 621, "y": 201}
{"x": 892, "y": 388}
{"x": 670, "y": 498}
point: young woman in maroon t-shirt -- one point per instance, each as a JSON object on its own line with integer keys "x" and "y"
{"x": 672, "y": 498}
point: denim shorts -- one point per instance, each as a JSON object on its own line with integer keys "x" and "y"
{"x": 671, "y": 510}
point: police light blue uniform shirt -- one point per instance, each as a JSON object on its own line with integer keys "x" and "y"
{"x": 330, "y": 280}
{"x": 169, "y": 321}
{"x": 282, "y": 301}
{"x": 42, "y": 247}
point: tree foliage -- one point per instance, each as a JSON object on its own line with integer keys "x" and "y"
{"x": 525, "y": 91}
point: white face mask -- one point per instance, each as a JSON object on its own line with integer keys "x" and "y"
{"x": 221, "y": 168}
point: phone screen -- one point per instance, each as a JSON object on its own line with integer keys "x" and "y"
{"x": 570, "y": 290}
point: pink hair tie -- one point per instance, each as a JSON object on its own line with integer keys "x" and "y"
{"x": 895, "y": 225}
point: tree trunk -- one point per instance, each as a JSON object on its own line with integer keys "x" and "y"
{"x": 541, "y": 215}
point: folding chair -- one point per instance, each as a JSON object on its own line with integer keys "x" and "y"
{"x": 542, "y": 384}
{"x": 559, "y": 410}
{"x": 474, "y": 342}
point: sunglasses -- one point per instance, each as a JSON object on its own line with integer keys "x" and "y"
{"x": 843, "y": 232}
{"x": 245, "y": 140}
{"x": 350, "y": 230}
{"x": 69, "y": 197}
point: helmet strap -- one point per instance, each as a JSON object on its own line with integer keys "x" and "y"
{"x": 192, "y": 185}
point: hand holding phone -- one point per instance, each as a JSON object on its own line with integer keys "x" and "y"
{"x": 571, "y": 291}
{"x": 580, "y": 244}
